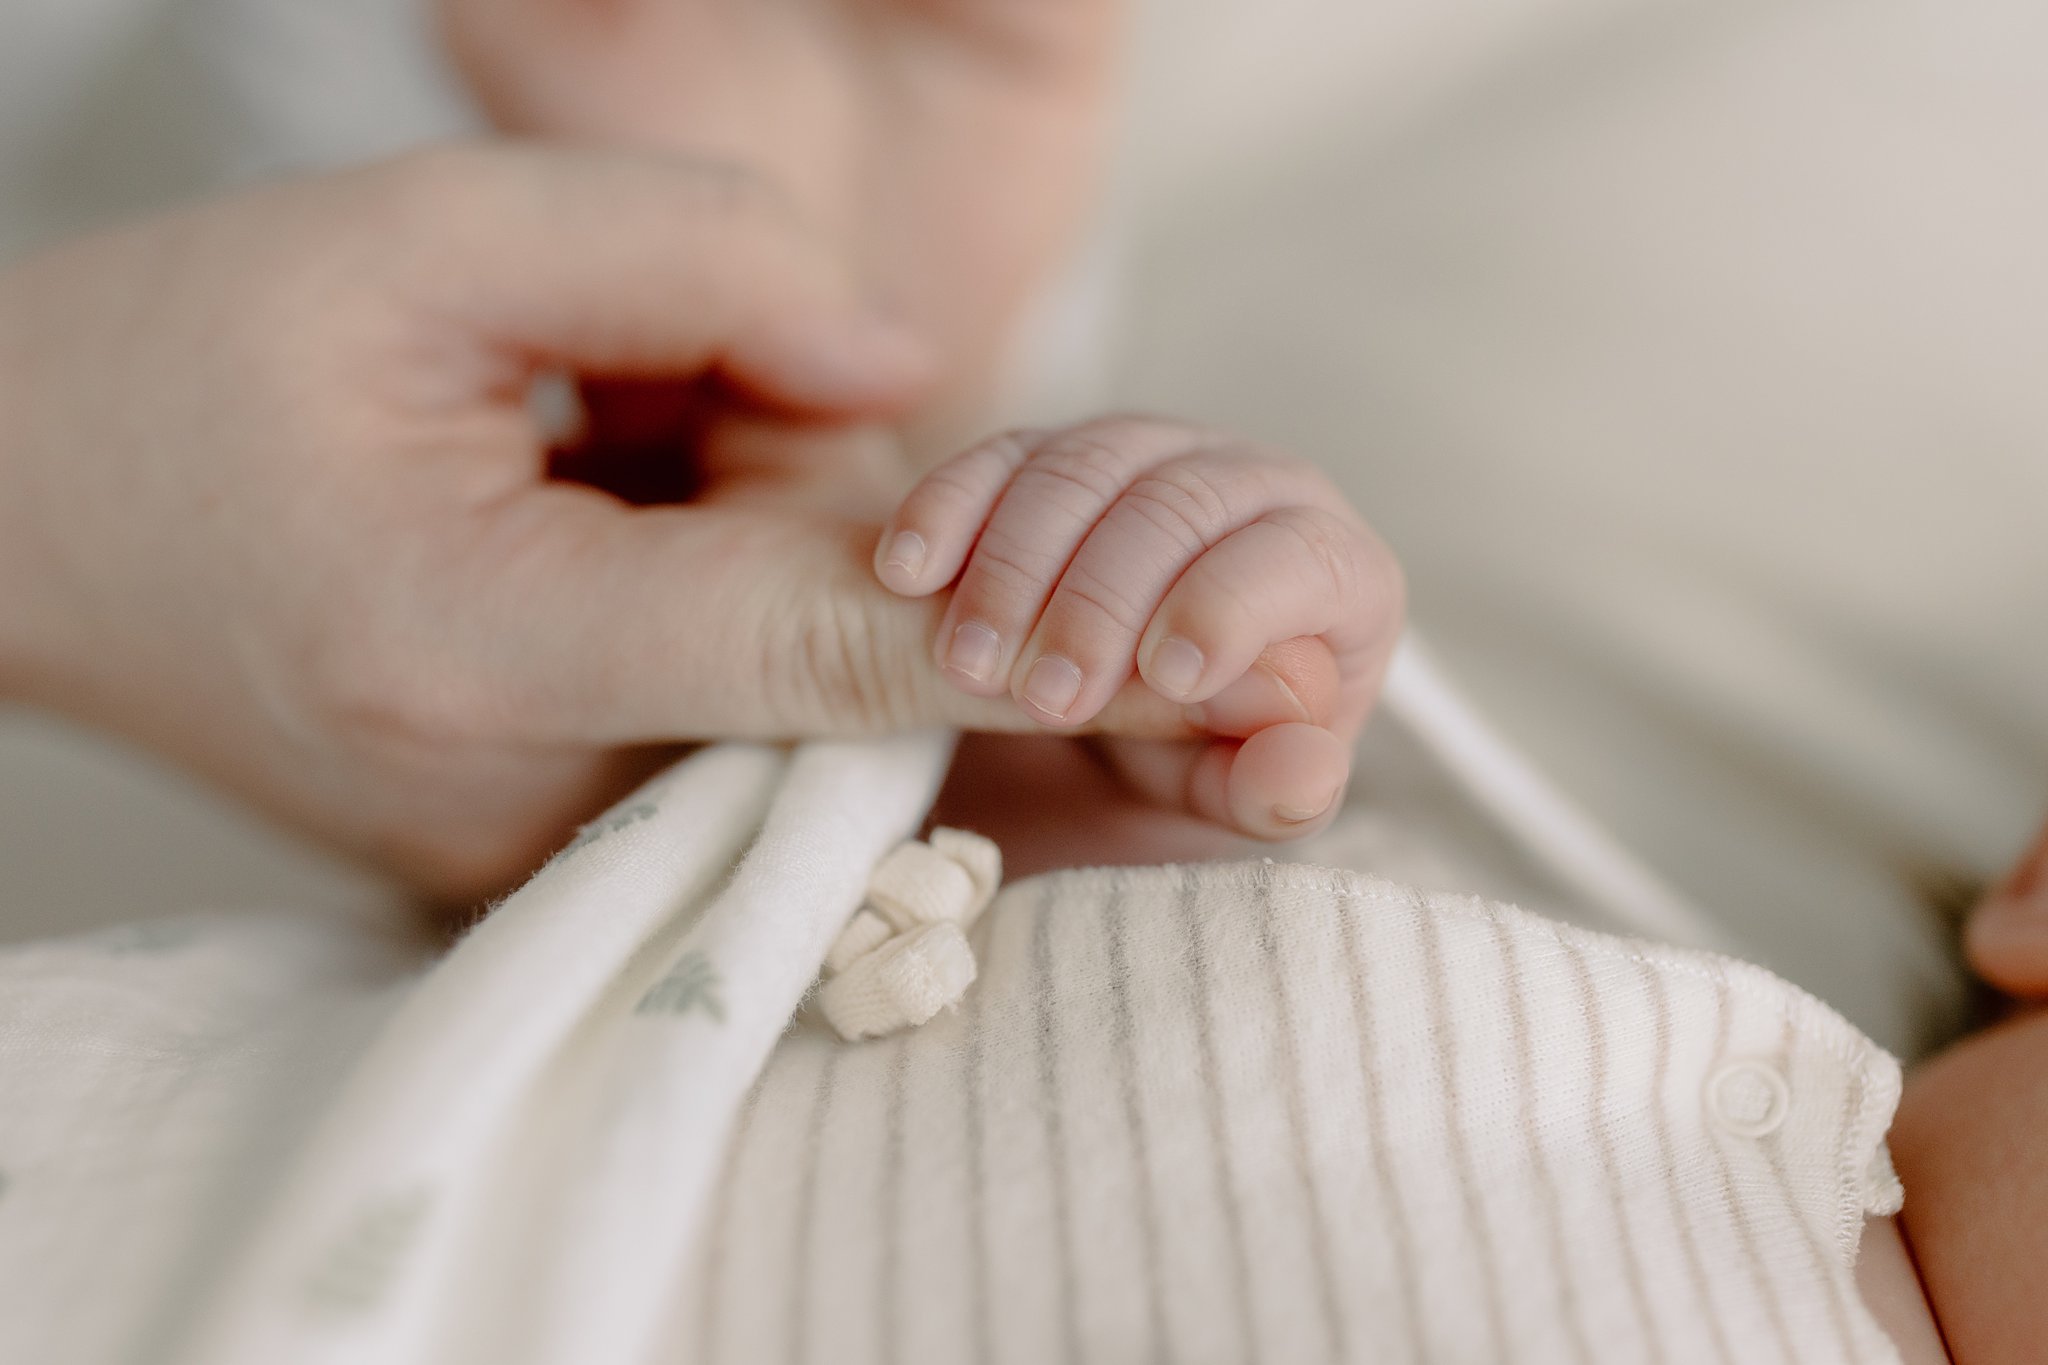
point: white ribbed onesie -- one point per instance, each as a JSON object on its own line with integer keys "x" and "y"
{"x": 1248, "y": 1112}
{"x": 1274, "y": 1112}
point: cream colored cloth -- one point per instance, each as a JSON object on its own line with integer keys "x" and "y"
{"x": 1270, "y": 1112}
{"x": 1250, "y": 1111}
{"x": 264, "y": 1140}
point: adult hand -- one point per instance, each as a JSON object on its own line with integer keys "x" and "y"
{"x": 274, "y": 500}
{"x": 949, "y": 144}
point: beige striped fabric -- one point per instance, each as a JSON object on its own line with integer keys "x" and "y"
{"x": 1274, "y": 1113}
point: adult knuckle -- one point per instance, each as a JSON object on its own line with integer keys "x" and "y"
{"x": 841, "y": 674}
{"x": 388, "y": 693}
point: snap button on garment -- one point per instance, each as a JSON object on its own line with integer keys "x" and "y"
{"x": 1749, "y": 1099}
{"x": 904, "y": 956}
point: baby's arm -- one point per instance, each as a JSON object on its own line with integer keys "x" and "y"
{"x": 1139, "y": 547}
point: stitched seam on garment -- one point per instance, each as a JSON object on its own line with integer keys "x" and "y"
{"x": 1681, "y": 1210}
{"x": 1765, "y": 1287}
{"x": 1816, "y": 1246}
{"x": 1859, "y": 1146}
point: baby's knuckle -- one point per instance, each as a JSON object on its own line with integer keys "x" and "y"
{"x": 1182, "y": 501}
{"x": 1006, "y": 566}
{"x": 1221, "y": 602}
{"x": 1075, "y": 471}
{"x": 946, "y": 490}
{"x": 1332, "y": 546}
{"x": 1084, "y": 595}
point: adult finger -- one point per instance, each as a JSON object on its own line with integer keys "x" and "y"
{"x": 568, "y": 616}
{"x": 635, "y": 264}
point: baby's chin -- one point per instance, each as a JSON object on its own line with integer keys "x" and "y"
{"x": 1051, "y": 804}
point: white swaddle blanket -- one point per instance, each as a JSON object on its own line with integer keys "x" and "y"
{"x": 1230, "y": 1112}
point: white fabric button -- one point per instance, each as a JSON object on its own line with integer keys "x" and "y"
{"x": 1749, "y": 1099}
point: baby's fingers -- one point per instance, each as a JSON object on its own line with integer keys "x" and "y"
{"x": 1294, "y": 572}
{"x": 1281, "y": 783}
{"x": 926, "y": 544}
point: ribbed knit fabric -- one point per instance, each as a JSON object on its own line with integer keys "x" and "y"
{"x": 1276, "y": 1113}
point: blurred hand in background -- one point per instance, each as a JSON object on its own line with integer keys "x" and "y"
{"x": 947, "y": 145}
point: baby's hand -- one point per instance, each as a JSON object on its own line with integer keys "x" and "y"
{"x": 1139, "y": 546}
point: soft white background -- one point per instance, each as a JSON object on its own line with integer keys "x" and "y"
{"x": 1690, "y": 351}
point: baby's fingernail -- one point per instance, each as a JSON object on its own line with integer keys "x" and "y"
{"x": 1176, "y": 667}
{"x": 974, "y": 651}
{"x": 906, "y": 554}
{"x": 1052, "y": 686}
